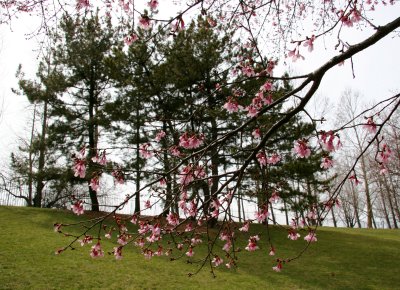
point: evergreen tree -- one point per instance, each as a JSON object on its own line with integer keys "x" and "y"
{"x": 82, "y": 54}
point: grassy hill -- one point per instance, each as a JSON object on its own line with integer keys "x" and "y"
{"x": 341, "y": 259}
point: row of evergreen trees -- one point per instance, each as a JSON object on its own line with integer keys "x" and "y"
{"x": 94, "y": 91}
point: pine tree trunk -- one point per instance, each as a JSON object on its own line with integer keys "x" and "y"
{"x": 42, "y": 151}
{"x": 92, "y": 146}
{"x": 137, "y": 180}
{"x": 168, "y": 193}
{"x": 30, "y": 160}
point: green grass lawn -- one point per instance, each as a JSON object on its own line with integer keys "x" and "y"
{"x": 341, "y": 259}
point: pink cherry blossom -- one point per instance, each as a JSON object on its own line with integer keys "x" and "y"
{"x": 225, "y": 235}
{"x": 309, "y": 43}
{"x": 278, "y": 267}
{"x": 354, "y": 179}
{"x": 189, "y": 227}
{"x": 140, "y": 243}
{"x": 211, "y": 22}
{"x": 355, "y": 16}
{"x": 134, "y": 219}
{"x": 82, "y": 4}
{"x": 192, "y": 209}
{"x": 191, "y": 142}
{"x": 274, "y": 197}
{"x": 129, "y": 39}
{"x": 312, "y": 215}
{"x": 173, "y": 219}
{"x": 245, "y": 227}
{"x": 327, "y": 162}
{"x": 156, "y": 229}
{"x": 217, "y": 261}
{"x": 117, "y": 253}
{"x": 258, "y": 101}
{"x": 311, "y": 237}
{"x": 80, "y": 168}
{"x": 262, "y": 159}
{"x": 86, "y": 240}
{"x": 148, "y": 254}
{"x": 231, "y": 105}
{"x": 153, "y": 4}
{"x": 96, "y": 251}
{"x": 118, "y": 176}
{"x": 256, "y": 133}
{"x": 143, "y": 227}
{"x": 346, "y": 20}
{"x": 174, "y": 150}
{"x": 251, "y": 111}
{"x": 160, "y": 135}
{"x": 262, "y": 214}
{"x": 122, "y": 239}
{"x": 227, "y": 247}
{"x": 370, "y": 126}
{"x": 295, "y": 54}
{"x": 103, "y": 159}
{"x": 248, "y": 71}
{"x": 326, "y": 141}
{"x": 144, "y": 22}
{"x": 95, "y": 183}
{"x": 275, "y": 158}
{"x": 384, "y": 154}
{"x": 267, "y": 86}
{"x": 272, "y": 251}
{"x": 199, "y": 172}
{"x": 190, "y": 252}
{"x": 196, "y": 240}
{"x": 57, "y": 227}
{"x": 77, "y": 207}
{"x": 383, "y": 169}
{"x": 301, "y": 149}
{"x": 267, "y": 100}
{"x": 293, "y": 234}
{"x": 159, "y": 251}
{"x": 144, "y": 151}
{"x": 252, "y": 245}
{"x": 186, "y": 175}
{"x": 270, "y": 67}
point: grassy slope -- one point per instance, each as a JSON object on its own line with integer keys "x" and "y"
{"x": 342, "y": 259}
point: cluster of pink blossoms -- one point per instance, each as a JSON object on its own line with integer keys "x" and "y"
{"x": 370, "y": 126}
{"x": 383, "y": 157}
{"x": 263, "y": 160}
{"x": 80, "y": 164}
{"x": 252, "y": 245}
{"x": 96, "y": 251}
{"x": 129, "y": 39}
{"x": 262, "y": 214}
{"x": 311, "y": 237}
{"x": 77, "y": 207}
{"x": 301, "y": 149}
{"x": 192, "y": 141}
{"x": 144, "y": 151}
{"x": 231, "y": 105}
{"x": 80, "y": 4}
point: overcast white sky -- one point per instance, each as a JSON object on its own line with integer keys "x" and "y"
{"x": 377, "y": 71}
